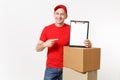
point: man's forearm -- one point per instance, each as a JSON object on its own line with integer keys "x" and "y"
{"x": 40, "y": 47}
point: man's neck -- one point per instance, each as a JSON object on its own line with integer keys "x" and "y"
{"x": 59, "y": 25}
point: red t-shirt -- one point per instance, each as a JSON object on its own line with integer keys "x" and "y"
{"x": 55, "y": 53}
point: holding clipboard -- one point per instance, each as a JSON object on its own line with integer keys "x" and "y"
{"x": 78, "y": 33}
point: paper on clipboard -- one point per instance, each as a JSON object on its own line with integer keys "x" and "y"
{"x": 78, "y": 32}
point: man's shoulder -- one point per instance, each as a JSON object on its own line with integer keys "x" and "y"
{"x": 67, "y": 24}
{"x": 49, "y": 26}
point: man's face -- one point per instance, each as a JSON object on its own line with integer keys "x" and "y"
{"x": 60, "y": 15}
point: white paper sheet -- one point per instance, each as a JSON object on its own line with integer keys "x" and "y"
{"x": 78, "y": 33}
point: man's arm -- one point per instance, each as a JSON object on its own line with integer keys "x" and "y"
{"x": 42, "y": 45}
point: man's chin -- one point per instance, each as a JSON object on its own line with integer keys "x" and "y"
{"x": 60, "y": 22}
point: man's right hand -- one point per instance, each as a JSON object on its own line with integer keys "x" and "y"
{"x": 42, "y": 45}
{"x": 49, "y": 42}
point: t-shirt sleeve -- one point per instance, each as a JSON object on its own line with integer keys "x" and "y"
{"x": 43, "y": 36}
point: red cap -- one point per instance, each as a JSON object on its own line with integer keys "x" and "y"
{"x": 61, "y": 6}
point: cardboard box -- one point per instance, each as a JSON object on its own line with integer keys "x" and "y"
{"x": 69, "y": 74}
{"x": 82, "y": 59}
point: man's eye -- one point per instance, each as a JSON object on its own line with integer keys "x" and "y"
{"x": 62, "y": 14}
{"x": 57, "y": 13}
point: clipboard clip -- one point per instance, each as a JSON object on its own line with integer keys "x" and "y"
{"x": 78, "y": 21}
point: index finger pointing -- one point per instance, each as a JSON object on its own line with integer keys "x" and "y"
{"x": 55, "y": 39}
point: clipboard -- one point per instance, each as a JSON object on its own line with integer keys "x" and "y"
{"x": 79, "y": 31}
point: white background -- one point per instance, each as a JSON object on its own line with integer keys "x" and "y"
{"x": 21, "y": 22}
